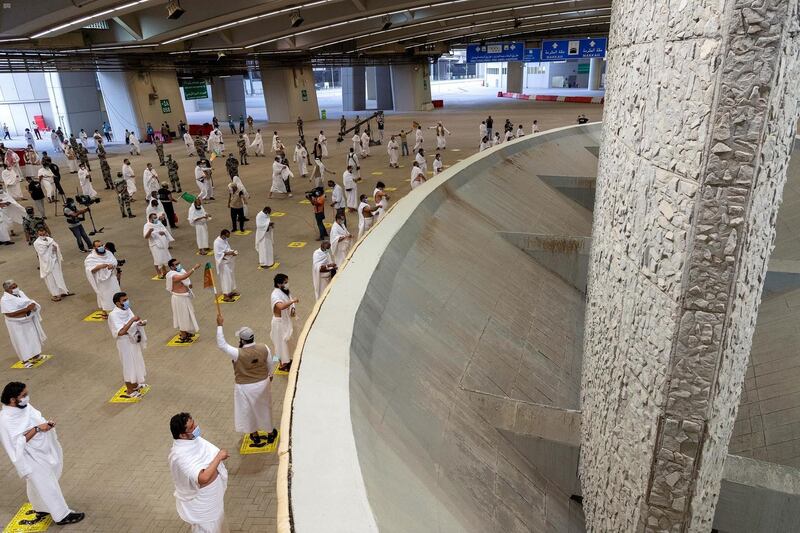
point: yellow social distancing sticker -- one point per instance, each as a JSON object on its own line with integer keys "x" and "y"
{"x": 277, "y": 214}
{"x": 176, "y": 340}
{"x": 304, "y": 202}
{"x": 245, "y": 232}
{"x": 273, "y": 267}
{"x": 220, "y": 299}
{"x": 121, "y": 396}
{"x": 25, "y": 521}
{"x": 96, "y": 316}
{"x": 248, "y": 447}
{"x": 297, "y": 244}
{"x": 31, "y": 364}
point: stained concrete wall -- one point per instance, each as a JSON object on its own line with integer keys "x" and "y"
{"x": 289, "y": 93}
{"x": 698, "y": 123}
{"x": 411, "y": 87}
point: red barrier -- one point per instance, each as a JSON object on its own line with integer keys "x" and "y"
{"x": 200, "y": 129}
{"x": 437, "y": 103}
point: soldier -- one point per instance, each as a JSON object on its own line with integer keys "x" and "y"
{"x": 242, "y": 144}
{"x": 123, "y": 197}
{"x": 160, "y": 150}
{"x": 31, "y": 224}
{"x": 104, "y": 167}
{"x": 83, "y": 156}
{"x": 232, "y": 166}
{"x": 172, "y": 169}
{"x": 200, "y": 146}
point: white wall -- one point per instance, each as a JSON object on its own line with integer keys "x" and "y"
{"x": 23, "y": 96}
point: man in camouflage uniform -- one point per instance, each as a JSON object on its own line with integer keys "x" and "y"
{"x": 232, "y": 166}
{"x": 123, "y": 197}
{"x": 200, "y": 146}
{"x": 172, "y": 169}
{"x": 242, "y": 144}
{"x": 83, "y": 156}
{"x": 104, "y": 167}
{"x": 160, "y": 150}
{"x": 31, "y": 224}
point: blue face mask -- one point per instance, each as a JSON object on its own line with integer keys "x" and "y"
{"x": 126, "y": 304}
{"x": 179, "y": 267}
{"x": 101, "y": 249}
{"x": 196, "y": 432}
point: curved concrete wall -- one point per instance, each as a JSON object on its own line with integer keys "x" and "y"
{"x": 419, "y": 372}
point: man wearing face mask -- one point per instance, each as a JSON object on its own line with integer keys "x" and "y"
{"x": 283, "y": 310}
{"x": 24, "y": 323}
{"x": 224, "y": 257}
{"x": 101, "y": 271}
{"x": 32, "y": 446}
{"x": 180, "y": 286}
{"x": 158, "y": 240}
{"x": 200, "y": 477}
{"x": 128, "y": 330}
{"x": 252, "y": 371}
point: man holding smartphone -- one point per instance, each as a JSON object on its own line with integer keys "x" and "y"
{"x": 32, "y": 445}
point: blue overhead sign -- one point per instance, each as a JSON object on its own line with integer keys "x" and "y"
{"x": 532, "y": 55}
{"x": 573, "y": 49}
{"x": 489, "y": 53}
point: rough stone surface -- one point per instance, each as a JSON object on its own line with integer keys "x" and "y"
{"x": 700, "y": 114}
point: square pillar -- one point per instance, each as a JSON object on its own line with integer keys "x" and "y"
{"x": 383, "y": 88}
{"x": 699, "y": 122}
{"x": 227, "y": 95}
{"x": 515, "y": 76}
{"x": 595, "y": 73}
{"x": 75, "y": 101}
{"x": 411, "y": 87}
{"x": 354, "y": 94}
{"x": 289, "y": 92}
{"x": 369, "y": 74}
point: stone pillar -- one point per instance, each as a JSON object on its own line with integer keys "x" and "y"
{"x": 227, "y": 95}
{"x": 132, "y": 99}
{"x": 411, "y": 87}
{"x": 595, "y": 73}
{"x": 369, "y": 75}
{"x": 75, "y": 101}
{"x": 699, "y": 120}
{"x": 289, "y": 92}
{"x": 383, "y": 87}
{"x": 354, "y": 96}
{"x": 515, "y": 76}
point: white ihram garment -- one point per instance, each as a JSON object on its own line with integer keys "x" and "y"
{"x": 104, "y": 281}
{"x": 12, "y": 182}
{"x": 130, "y": 179}
{"x": 203, "y": 508}
{"x": 394, "y": 152}
{"x": 38, "y": 461}
{"x": 420, "y": 159}
{"x": 50, "y": 260}
{"x": 150, "y": 181}
{"x": 257, "y": 144}
{"x": 200, "y": 225}
{"x": 340, "y": 245}
{"x": 252, "y": 402}
{"x": 323, "y": 143}
{"x": 183, "y": 317}
{"x": 364, "y": 223}
{"x": 159, "y": 244}
{"x": 203, "y": 182}
{"x": 26, "y": 332}
{"x": 189, "y": 142}
{"x": 350, "y": 189}
{"x": 225, "y": 266}
{"x": 301, "y": 158}
{"x": 417, "y": 177}
{"x": 282, "y": 328}
{"x": 321, "y": 279}
{"x": 364, "y": 144}
{"x": 129, "y": 345}
{"x": 48, "y": 181}
{"x": 437, "y": 166}
{"x": 86, "y": 183}
{"x": 264, "y": 240}
{"x": 277, "y": 178}
{"x": 381, "y": 206}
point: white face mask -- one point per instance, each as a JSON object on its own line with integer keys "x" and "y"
{"x": 15, "y": 291}
{"x": 23, "y": 402}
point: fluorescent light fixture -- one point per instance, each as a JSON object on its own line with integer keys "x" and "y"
{"x": 89, "y": 17}
{"x": 13, "y": 40}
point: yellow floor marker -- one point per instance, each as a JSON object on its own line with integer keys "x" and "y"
{"x": 278, "y": 371}
{"x": 455, "y": 149}
{"x": 273, "y": 267}
{"x": 327, "y": 225}
{"x": 220, "y": 299}
{"x": 26, "y": 512}
{"x": 297, "y": 244}
{"x": 31, "y": 364}
{"x": 96, "y": 316}
{"x": 304, "y": 202}
{"x": 376, "y": 173}
{"x": 402, "y": 166}
{"x": 245, "y": 232}
{"x": 122, "y": 397}
{"x": 247, "y": 449}
{"x": 390, "y": 189}
{"x": 156, "y": 278}
{"x": 174, "y": 341}
{"x": 277, "y": 214}
{"x": 329, "y": 190}
{"x": 205, "y": 254}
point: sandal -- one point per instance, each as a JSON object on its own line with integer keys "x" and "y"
{"x": 71, "y": 518}
{"x": 55, "y": 298}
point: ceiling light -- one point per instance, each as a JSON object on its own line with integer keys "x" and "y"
{"x": 174, "y": 9}
{"x": 387, "y": 22}
{"x": 88, "y": 17}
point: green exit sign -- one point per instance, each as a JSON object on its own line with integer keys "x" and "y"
{"x": 165, "y": 108}
{"x": 583, "y": 68}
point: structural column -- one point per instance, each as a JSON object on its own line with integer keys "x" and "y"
{"x": 75, "y": 101}
{"x": 227, "y": 95}
{"x": 595, "y": 73}
{"x": 134, "y": 99}
{"x": 354, "y": 95}
{"x": 383, "y": 88}
{"x": 289, "y": 92}
{"x": 698, "y": 126}
{"x": 515, "y": 76}
{"x": 411, "y": 87}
